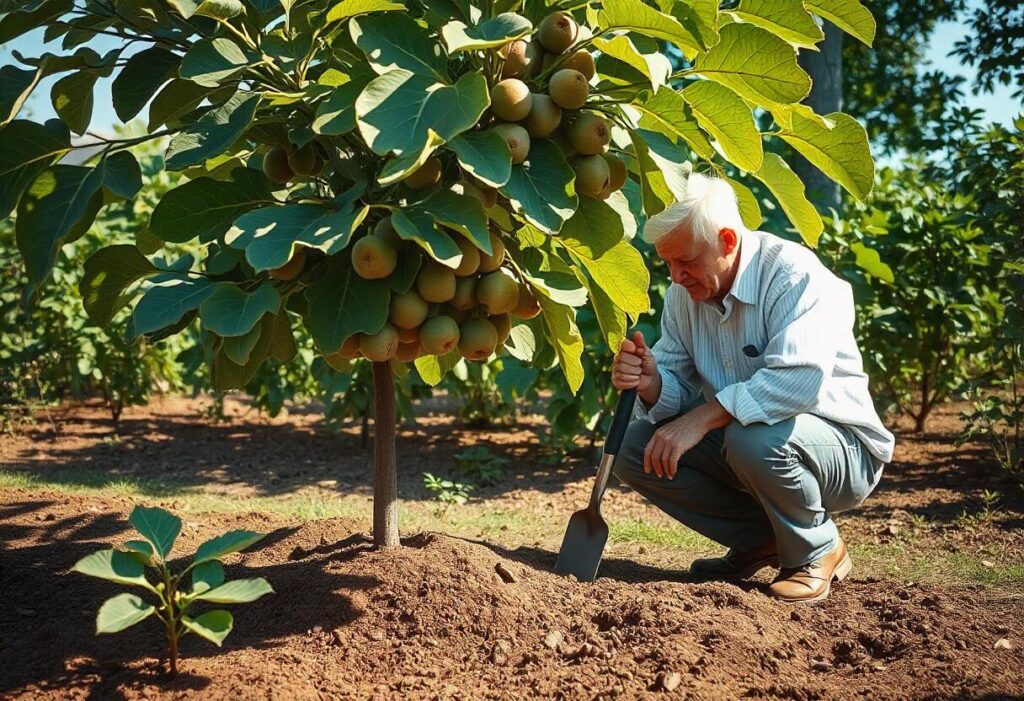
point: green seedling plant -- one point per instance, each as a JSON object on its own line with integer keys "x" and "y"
{"x": 201, "y": 581}
{"x": 446, "y": 492}
{"x": 481, "y": 465}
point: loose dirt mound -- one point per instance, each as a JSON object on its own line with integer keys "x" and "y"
{"x": 450, "y": 618}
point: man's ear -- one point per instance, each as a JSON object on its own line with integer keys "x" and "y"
{"x": 729, "y": 240}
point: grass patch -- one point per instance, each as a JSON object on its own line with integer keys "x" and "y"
{"x": 647, "y": 533}
{"x": 936, "y": 566}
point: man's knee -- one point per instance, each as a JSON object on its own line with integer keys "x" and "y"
{"x": 756, "y": 448}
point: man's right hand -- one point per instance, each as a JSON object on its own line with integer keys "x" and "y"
{"x": 634, "y": 367}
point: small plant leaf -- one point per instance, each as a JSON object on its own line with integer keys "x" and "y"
{"x": 159, "y": 527}
{"x": 206, "y": 576}
{"x": 115, "y": 566}
{"x": 230, "y": 542}
{"x": 120, "y": 612}
{"x": 142, "y": 550}
{"x": 212, "y": 625}
{"x": 240, "y": 591}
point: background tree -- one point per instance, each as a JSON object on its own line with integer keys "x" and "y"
{"x": 418, "y": 183}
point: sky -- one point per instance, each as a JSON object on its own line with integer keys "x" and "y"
{"x": 999, "y": 106}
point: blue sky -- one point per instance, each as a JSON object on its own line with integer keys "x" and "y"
{"x": 999, "y": 106}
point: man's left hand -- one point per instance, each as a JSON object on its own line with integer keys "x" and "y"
{"x": 671, "y": 441}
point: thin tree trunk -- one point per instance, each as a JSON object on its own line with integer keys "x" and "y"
{"x": 385, "y": 474}
{"x": 826, "y": 70}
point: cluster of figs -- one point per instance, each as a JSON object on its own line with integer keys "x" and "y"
{"x": 555, "y": 111}
{"x": 542, "y": 89}
{"x": 468, "y": 308}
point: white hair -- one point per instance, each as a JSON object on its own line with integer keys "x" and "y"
{"x": 707, "y": 207}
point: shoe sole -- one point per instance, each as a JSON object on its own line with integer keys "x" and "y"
{"x": 840, "y": 573}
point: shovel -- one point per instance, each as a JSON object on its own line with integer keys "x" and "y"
{"x": 587, "y": 532}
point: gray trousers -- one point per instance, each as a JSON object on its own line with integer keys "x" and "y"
{"x": 742, "y": 485}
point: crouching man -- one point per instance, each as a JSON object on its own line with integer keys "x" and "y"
{"x": 754, "y": 421}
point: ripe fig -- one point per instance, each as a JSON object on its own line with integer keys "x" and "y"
{"x": 557, "y": 32}
{"x": 373, "y": 258}
{"x": 380, "y": 346}
{"x": 470, "y": 258}
{"x": 617, "y": 171}
{"x": 436, "y": 282}
{"x": 306, "y": 161}
{"x": 439, "y": 335}
{"x": 407, "y": 311}
{"x": 589, "y": 134}
{"x": 291, "y": 269}
{"x": 517, "y": 138}
{"x": 544, "y": 117}
{"x": 497, "y": 292}
{"x": 477, "y": 339}
{"x": 427, "y": 175}
{"x": 569, "y": 88}
{"x": 490, "y": 263}
{"x": 276, "y": 168}
{"x": 592, "y": 175}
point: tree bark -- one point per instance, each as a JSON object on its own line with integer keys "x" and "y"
{"x": 826, "y": 70}
{"x": 385, "y": 473}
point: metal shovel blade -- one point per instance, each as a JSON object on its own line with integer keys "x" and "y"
{"x": 587, "y": 533}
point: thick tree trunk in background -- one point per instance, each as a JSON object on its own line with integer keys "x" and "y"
{"x": 826, "y": 70}
{"x": 385, "y": 473}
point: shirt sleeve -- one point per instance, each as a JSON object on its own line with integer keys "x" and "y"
{"x": 807, "y": 321}
{"x": 679, "y": 380}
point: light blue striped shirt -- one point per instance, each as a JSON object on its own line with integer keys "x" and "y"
{"x": 779, "y": 344}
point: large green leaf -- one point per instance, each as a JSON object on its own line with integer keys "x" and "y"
{"x": 396, "y": 40}
{"x": 593, "y": 230}
{"x": 282, "y": 342}
{"x": 72, "y": 99}
{"x": 206, "y": 576}
{"x": 108, "y": 273}
{"x": 213, "y": 133}
{"x": 231, "y": 311}
{"x": 212, "y": 625}
{"x": 166, "y": 303}
{"x": 849, "y": 15}
{"x": 485, "y": 154}
{"x": 206, "y": 207}
{"x": 870, "y": 262}
{"x": 176, "y": 99}
{"x": 16, "y": 84}
{"x": 337, "y": 114}
{"x": 270, "y": 235}
{"x": 842, "y": 152}
{"x": 655, "y": 191}
{"x": 211, "y": 61}
{"x": 654, "y": 66}
{"x": 226, "y": 374}
{"x": 750, "y": 210}
{"x": 230, "y": 542}
{"x": 398, "y": 110}
{"x": 115, "y": 566}
{"x": 139, "y": 80}
{"x": 489, "y": 34}
{"x": 220, "y": 9}
{"x": 433, "y": 368}
{"x": 353, "y": 8}
{"x": 342, "y": 303}
{"x": 122, "y": 611}
{"x": 122, "y": 175}
{"x": 635, "y": 15}
{"x": 59, "y": 205}
{"x": 240, "y": 591}
{"x": 667, "y": 112}
{"x": 723, "y": 114}
{"x": 462, "y": 213}
{"x": 159, "y": 527}
{"x": 419, "y": 226}
{"x": 542, "y": 188}
{"x": 620, "y": 273}
{"x": 28, "y": 150}
{"x": 756, "y": 64}
{"x": 31, "y": 16}
{"x": 787, "y": 18}
{"x": 789, "y": 191}
{"x": 565, "y": 336}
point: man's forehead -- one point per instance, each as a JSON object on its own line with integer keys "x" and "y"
{"x": 675, "y": 242}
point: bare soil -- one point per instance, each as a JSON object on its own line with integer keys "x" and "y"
{"x": 436, "y": 619}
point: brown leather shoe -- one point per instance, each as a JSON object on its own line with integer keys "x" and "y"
{"x": 737, "y": 564}
{"x": 813, "y": 581}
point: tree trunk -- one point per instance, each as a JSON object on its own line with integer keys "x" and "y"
{"x": 385, "y": 474}
{"x": 826, "y": 70}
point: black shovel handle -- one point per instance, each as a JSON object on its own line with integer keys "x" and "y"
{"x": 623, "y": 410}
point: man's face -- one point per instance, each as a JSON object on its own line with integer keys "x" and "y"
{"x": 695, "y": 264}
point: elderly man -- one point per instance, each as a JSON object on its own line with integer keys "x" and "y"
{"x": 754, "y": 418}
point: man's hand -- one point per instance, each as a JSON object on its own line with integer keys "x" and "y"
{"x": 634, "y": 367}
{"x": 670, "y": 442}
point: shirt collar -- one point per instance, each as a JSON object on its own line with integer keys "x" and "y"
{"x": 744, "y": 286}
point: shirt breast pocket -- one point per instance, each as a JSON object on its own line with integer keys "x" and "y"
{"x": 752, "y": 359}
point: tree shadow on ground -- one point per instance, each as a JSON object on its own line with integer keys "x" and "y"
{"x": 47, "y": 621}
{"x": 161, "y": 453}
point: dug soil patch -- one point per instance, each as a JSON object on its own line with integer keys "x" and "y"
{"x": 456, "y": 619}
